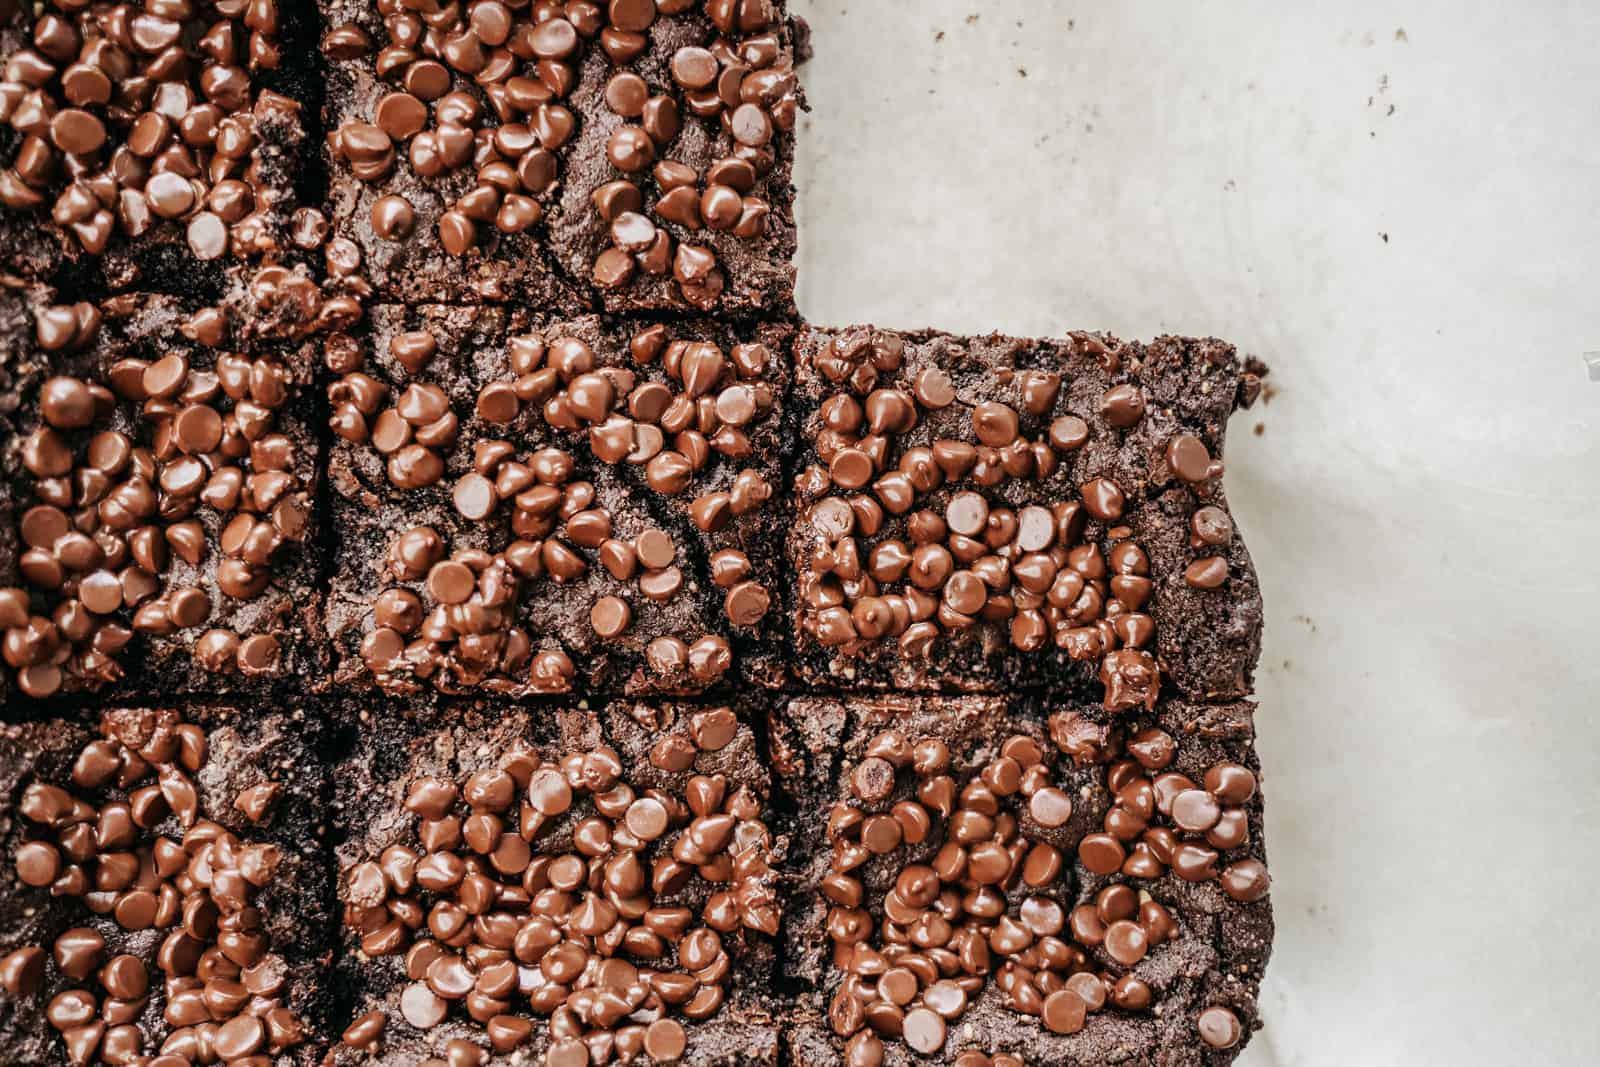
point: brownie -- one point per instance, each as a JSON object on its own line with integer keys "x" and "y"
{"x": 151, "y": 155}
{"x": 1022, "y": 878}
{"x": 162, "y": 472}
{"x": 434, "y": 214}
{"x": 614, "y": 480}
{"x": 677, "y": 190}
{"x": 659, "y": 808}
{"x": 225, "y": 811}
{"x": 965, "y": 505}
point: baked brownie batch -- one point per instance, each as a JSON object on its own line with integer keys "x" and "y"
{"x": 455, "y": 611}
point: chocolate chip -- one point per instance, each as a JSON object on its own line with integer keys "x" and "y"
{"x": 1208, "y": 573}
{"x": 747, "y": 603}
{"x": 994, "y": 423}
{"x": 610, "y": 616}
{"x": 393, "y": 217}
{"x": 1210, "y": 525}
{"x": 923, "y": 1031}
{"x": 1219, "y": 1027}
{"x": 1103, "y": 499}
{"x": 1186, "y": 454}
{"x": 1063, "y": 1012}
{"x": 1122, "y": 406}
{"x": 22, "y": 971}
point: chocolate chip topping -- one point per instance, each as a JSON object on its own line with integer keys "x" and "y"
{"x": 612, "y": 912}
{"x": 129, "y": 117}
{"x": 131, "y": 842}
{"x": 917, "y": 539}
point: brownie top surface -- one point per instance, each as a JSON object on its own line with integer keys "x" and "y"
{"x": 151, "y": 150}
{"x": 169, "y": 870}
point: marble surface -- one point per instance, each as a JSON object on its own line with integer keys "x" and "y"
{"x": 1395, "y": 206}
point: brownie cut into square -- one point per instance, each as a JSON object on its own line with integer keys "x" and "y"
{"x": 598, "y": 886}
{"x": 972, "y": 512}
{"x": 164, "y": 869}
{"x": 677, "y": 190}
{"x": 529, "y": 504}
{"x": 1015, "y": 880}
{"x": 161, "y": 472}
{"x": 150, "y": 156}
{"x": 447, "y": 140}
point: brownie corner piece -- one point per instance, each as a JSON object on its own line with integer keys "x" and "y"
{"x": 162, "y": 476}
{"x": 162, "y": 186}
{"x": 630, "y": 854}
{"x": 972, "y": 513}
{"x": 1034, "y": 879}
{"x": 678, "y": 193}
{"x": 534, "y": 504}
{"x": 148, "y": 846}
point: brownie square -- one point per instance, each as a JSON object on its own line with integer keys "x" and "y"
{"x": 445, "y": 150}
{"x": 564, "y": 819}
{"x": 624, "y": 474}
{"x": 162, "y": 476}
{"x": 149, "y": 157}
{"x": 1010, "y": 876}
{"x": 677, "y": 186}
{"x": 963, "y": 506}
{"x": 175, "y": 842}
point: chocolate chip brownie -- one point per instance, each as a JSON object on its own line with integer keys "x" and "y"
{"x": 615, "y": 870}
{"x": 608, "y": 484}
{"x": 445, "y": 146}
{"x": 971, "y": 512}
{"x": 162, "y": 470}
{"x": 635, "y": 153}
{"x": 1003, "y": 877}
{"x": 141, "y": 149}
{"x": 164, "y": 887}
{"x": 677, "y": 191}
